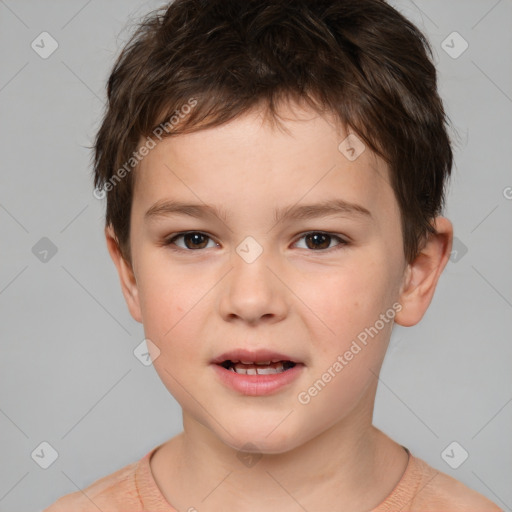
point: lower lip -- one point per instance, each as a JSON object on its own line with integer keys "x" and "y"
{"x": 258, "y": 385}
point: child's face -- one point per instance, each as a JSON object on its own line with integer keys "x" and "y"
{"x": 303, "y": 297}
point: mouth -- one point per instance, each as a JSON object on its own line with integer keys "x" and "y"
{"x": 257, "y": 373}
{"x": 270, "y": 367}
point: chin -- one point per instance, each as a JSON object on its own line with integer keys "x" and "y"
{"x": 259, "y": 445}
{"x": 260, "y": 437}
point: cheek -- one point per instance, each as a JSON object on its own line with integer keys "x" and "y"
{"x": 346, "y": 300}
{"x": 168, "y": 315}
{"x": 172, "y": 313}
{"x": 167, "y": 294}
{"x": 331, "y": 399}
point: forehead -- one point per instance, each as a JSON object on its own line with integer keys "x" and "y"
{"x": 249, "y": 163}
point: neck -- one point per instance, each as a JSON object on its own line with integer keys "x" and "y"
{"x": 350, "y": 466}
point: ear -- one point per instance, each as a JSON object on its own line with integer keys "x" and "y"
{"x": 422, "y": 274}
{"x": 126, "y": 275}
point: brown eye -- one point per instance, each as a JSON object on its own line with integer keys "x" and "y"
{"x": 192, "y": 241}
{"x": 319, "y": 241}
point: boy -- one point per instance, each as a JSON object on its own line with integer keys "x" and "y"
{"x": 274, "y": 174}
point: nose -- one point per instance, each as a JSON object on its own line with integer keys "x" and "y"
{"x": 252, "y": 292}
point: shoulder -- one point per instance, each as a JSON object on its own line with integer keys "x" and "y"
{"x": 112, "y": 493}
{"x": 436, "y": 490}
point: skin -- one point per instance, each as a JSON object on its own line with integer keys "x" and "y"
{"x": 297, "y": 299}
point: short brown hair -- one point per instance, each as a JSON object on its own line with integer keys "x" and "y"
{"x": 360, "y": 60}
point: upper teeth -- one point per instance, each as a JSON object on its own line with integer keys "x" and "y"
{"x": 269, "y": 369}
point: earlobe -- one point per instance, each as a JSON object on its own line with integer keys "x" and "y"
{"x": 422, "y": 275}
{"x": 126, "y": 275}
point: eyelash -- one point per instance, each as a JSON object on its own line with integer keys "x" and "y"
{"x": 169, "y": 242}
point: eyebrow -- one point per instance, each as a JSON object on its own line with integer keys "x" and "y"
{"x": 330, "y": 207}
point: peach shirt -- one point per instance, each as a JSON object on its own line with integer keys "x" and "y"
{"x": 133, "y": 489}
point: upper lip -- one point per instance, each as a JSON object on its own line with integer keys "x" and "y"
{"x": 253, "y": 356}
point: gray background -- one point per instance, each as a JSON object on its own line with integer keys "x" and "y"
{"x": 68, "y": 375}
